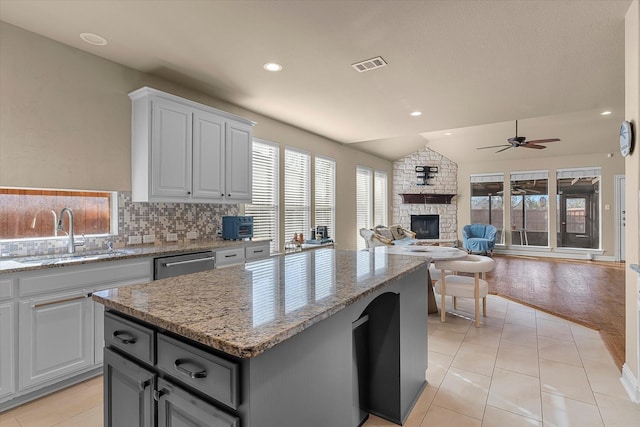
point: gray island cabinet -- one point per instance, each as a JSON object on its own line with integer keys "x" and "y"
{"x": 320, "y": 338}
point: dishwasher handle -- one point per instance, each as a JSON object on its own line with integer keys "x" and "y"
{"x": 188, "y": 261}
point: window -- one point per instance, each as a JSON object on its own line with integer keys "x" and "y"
{"x": 297, "y": 193}
{"x": 264, "y": 206}
{"x": 380, "y": 198}
{"x": 325, "y": 207}
{"x": 487, "y": 205}
{"x": 578, "y": 213}
{"x": 530, "y": 208}
{"x": 371, "y": 200}
{"x": 28, "y": 213}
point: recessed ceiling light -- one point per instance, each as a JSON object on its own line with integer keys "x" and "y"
{"x": 447, "y": 133}
{"x": 605, "y": 113}
{"x": 93, "y": 39}
{"x": 415, "y": 113}
{"x": 272, "y": 66}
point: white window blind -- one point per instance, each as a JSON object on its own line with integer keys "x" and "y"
{"x": 264, "y": 206}
{"x": 325, "y": 188}
{"x": 380, "y": 198}
{"x": 297, "y": 193}
{"x": 494, "y": 177}
{"x": 363, "y": 202}
{"x": 579, "y": 173}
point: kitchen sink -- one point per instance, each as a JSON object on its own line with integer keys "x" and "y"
{"x": 71, "y": 258}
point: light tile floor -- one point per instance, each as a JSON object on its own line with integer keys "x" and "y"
{"x": 522, "y": 367}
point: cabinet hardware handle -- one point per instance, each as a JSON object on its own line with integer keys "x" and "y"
{"x": 196, "y": 373}
{"x": 189, "y": 261}
{"x": 143, "y": 384}
{"x": 159, "y": 393}
{"x": 188, "y": 192}
{"x": 124, "y": 337}
{"x": 258, "y": 252}
{"x": 60, "y": 301}
{"x": 230, "y": 256}
{"x": 222, "y": 195}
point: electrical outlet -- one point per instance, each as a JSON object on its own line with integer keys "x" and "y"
{"x": 148, "y": 238}
{"x": 191, "y": 235}
{"x": 135, "y": 240}
{"x": 172, "y": 237}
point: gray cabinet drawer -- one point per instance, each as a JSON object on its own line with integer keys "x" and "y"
{"x": 176, "y": 407}
{"x": 257, "y": 252}
{"x": 131, "y": 338}
{"x": 212, "y": 375}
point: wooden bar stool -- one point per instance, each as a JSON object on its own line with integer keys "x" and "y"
{"x": 464, "y": 286}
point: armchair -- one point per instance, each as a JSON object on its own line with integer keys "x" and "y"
{"x": 479, "y": 238}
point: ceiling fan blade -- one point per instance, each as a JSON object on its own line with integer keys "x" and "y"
{"x": 494, "y": 146}
{"x": 537, "y": 147}
{"x": 542, "y": 141}
{"x": 500, "y": 151}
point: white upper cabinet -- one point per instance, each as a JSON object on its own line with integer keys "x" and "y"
{"x": 182, "y": 151}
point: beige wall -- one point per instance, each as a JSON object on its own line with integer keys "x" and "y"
{"x": 632, "y": 193}
{"x": 65, "y": 123}
{"x": 609, "y": 167}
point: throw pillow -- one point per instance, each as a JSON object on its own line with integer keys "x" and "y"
{"x": 384, "y": 232}
{"x": 397, "y": 232}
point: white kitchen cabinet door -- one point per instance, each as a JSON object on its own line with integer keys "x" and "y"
{"x": 55, "y": 336}
{"x": 238, "y": 162}
{"x": 171, "y": 150}
{"x": 208, "y": 156}
{"x": 7, "y": 376}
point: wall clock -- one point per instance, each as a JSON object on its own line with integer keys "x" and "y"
{"x": 626, "y": 138}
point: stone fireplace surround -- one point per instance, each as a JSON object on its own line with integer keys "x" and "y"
{"x": 445, "y": 182}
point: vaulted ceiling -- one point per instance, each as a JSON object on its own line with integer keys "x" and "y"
{"x": 472, "y": 67}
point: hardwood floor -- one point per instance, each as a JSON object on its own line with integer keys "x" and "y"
{"x": 586, "y": 292}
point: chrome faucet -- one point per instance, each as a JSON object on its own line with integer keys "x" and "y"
{"x": 71, "y": 243}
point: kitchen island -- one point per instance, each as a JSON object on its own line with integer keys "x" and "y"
{"x": 317, "y": 338}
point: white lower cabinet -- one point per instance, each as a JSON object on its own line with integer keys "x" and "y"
{"x": 7, "y": 373}
{"x": 50, "y": 328}
{"x": 55, "y": 336}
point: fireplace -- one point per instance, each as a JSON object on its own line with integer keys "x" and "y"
{"x": 426, "y": 226}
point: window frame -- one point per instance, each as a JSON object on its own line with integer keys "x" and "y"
{"x": 332, "y": 189}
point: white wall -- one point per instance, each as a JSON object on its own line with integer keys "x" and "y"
{"x": 631, "y": 370}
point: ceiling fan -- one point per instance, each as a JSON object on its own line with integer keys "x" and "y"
{"x": 517, "y": 190}
{"x": 521, "y": 141}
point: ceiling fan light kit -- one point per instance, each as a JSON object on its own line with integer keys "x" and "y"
{"x": 521, "y": 141}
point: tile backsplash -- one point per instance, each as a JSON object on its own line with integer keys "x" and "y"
{"x": 137, "y": 219}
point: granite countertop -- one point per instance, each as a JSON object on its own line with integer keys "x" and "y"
{"x": 247, "y": 309}
{"x": 635, "y": 267}
{"x": 18, "y": 264}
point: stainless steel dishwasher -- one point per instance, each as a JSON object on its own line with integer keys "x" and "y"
{"x": 177, "y": 265}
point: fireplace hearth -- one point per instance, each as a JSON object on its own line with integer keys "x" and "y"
{"x": 426, "y": 226}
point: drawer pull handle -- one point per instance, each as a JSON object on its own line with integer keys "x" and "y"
{"x": 60, "y": 301}
{"x": 183, "y": 366}
{"x": 189, "y": 261}
{"x": 230, "y": 256}
{"x": 143, "y": 384}
{"x": 157, "y": 394}
{"x": 124, "y": 337}
{"x": 258, "y": 252}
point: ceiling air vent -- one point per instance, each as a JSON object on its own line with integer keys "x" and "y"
{"x": 369, "y": 64}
